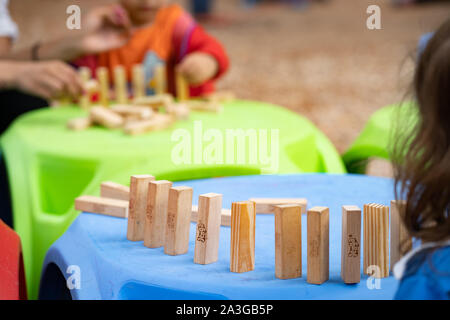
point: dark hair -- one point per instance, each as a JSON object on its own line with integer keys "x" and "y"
{"x": 422, "y": 155}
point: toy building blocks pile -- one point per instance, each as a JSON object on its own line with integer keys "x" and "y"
{"x": 160, "y": 215}
{"x": 141, "y": 113}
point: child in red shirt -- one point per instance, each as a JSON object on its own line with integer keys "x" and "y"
{"x": 165, "y": 34}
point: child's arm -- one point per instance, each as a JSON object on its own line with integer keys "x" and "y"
{"x": 201, "y": 58}
{"x": 205, "y": 58}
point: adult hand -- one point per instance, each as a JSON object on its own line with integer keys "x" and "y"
{"x": 49, "y": 79}
{"x": 198, "y": 67}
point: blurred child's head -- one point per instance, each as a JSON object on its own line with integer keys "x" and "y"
{"x": 423, "y": 170}
{"x": 142, "y": 11}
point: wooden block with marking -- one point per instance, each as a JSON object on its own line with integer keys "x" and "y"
{"x": 104, "y": 206}
{"x": 351, "y": 245}
{"x": 267, "y": 205}
{"x": 114, "y": 190}
{"x": 208, "y": 228}
{"x": 182, "y": 87}
{"x": 79, "y": 124}
{"x": 138, "y": 81}
{"x": 157, "y": 122}
{"x": 376, "y": 240}
{"x": 103, "y": 81}
{"x": 242, "y": 246}
{"x": 106, "y": 117}
{"x": 121, "y": 85}
{"x": 225, "y": 219}
{"x": 156, "y": 219}
{"x": 401, "y": 241}
{"x": 288, "y": 241}
{"x": 178, "y": 221}
{"x": 138, "y": 206}
{"x": 318, "y": 245}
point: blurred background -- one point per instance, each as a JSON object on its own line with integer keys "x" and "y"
{"x": 316, "y": 58}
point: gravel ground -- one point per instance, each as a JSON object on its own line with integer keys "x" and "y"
{"x": 321, "y": 62}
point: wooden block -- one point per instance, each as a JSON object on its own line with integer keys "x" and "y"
{"x": 103, "y": 81}
{"x": 401, "y": 241}
{"x": 182, "y": 87}
{"x": 288, "y": 241}
{"x": 318, "y": 245}
{"x": 157, "y": 122}
{"x": 208, "y": 228}
{"x": 114, "y": 190}
{"x": 160, "y": 79}
{"x": 138, "y": 206}
{"x": 351, "y": 244}
{"x": 242, "y": 246}
{"x": 376, "y": 238}
{"x": 225, "y": 219}
{"x": 154, "y": 102}
{"x": 110, "y": 207}
{"x": 91, "y": 86}
{"x": 106, "y": 117}
{"x": 178, "y": 221}
{"x": 79, "y": 124}
{"x": 85, "y": 99}
{"x": 199, "y": 105}
{"x": 220, "y": 97}
{"x": 179, "y": 110}
{"x": 138, "y": 81}
{"x": 121, "y": 85}
{"x": 156, "y": 219}
{"x": 267, "y": 205}
{"x": 137, "y": 112}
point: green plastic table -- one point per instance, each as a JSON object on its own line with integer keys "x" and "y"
{"x": 49, "y": 165}
{"x": 376, "y": 137}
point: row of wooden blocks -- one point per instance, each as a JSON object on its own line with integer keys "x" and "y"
{"x": 160, "y": 215}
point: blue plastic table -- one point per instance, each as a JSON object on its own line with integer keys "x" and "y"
{"x": 113, "y": 268}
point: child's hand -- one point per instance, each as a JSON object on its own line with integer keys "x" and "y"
{"x": 198, "y": 67}
{"x": 106, "y": 28}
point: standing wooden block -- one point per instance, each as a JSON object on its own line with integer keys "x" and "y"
{"x": 156, "y": 219}
{"x": 225, "y": 219}
{"x": 351, "y": 240}
{"x": 208, "y": 228}
{"x": 376, "y": 237}
{"x": 318, "y": 245}
{"x": 120, "y": 83}
{"x": 178, "y": 221}
{"x": 288, "y": 241}
{"x": 267, "y": 205}
{"x": 85, "y": 99}
{"x": 138, "y": 206}
{"x": 242, "y": 247}
{"x": 160, "y": 79}
{"x": 138, "y": 81}
{"x": 182, "y": 87}
{"x": 103, "y": 81}
{"x": 114, "y": 191}
{"x": 401, "y": 241}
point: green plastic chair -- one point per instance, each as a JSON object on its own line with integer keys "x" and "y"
{"x": 375, "y": 141}
{"x": 49, "y": 166}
